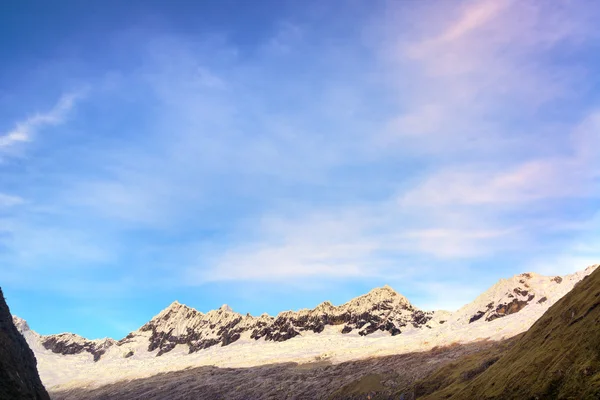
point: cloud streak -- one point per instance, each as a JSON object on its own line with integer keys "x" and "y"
{"x": 7, "y": 200}
{"x": 25, "y": 130}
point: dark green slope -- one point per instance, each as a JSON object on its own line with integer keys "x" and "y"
{"x": 19, "y": 378}
{"x": 557, "y": 358}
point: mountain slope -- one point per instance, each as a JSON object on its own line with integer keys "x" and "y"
{"x": 510, "y": 296}
{"x": 319, "y": 380}
{"x": 18, "y": 374}
{"x": 559, "y": 357}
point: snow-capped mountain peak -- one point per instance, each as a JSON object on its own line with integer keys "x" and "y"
{"x": 380, "y": 310}
{"x": 507, "y": 308}
{"x": 510, "y": 296}
{"x": 385, "y": 297}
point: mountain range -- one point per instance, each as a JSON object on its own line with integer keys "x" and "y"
{"x": 379, "y": 323}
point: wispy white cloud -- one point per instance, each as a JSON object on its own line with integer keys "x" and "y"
{"x": 287, "y": 165}
{"x": 7, "y": 200}
{"x": 472, "y": 16}
{"x": 568, "y": 175}
{"x": 470, "y": 79}
{"x": 581, "y": 251}
{"x": 477, "y": 60}
{"x": 320, "y": 245}
{"x": 26, "y": 129}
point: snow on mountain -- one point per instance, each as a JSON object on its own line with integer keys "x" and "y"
{"x": 180, "y": 324}
{"x": 377, "y": 323}
{"x": 509, "y": 296}
{"x": 62, "y": 343}
{"x": 382, "y": 309}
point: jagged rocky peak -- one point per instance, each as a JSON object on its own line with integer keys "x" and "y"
{"x": 382, "y": 309}
{"x": 70, "y": 343}
{"x": 382, "y": 297}
{"x": 510, "y": 296}
{"x": 63, "y": 343}
{"x": 176, "y": 309}
{"x": 180, "y": 324}
{"x": 325, "y": 307}
{"x": 175, "y": 314}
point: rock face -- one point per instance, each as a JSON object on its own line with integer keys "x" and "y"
{"x": 19, "y": 378}
{"x": 63, "y": 343}
{"x": 180, "y": 324}
{"x": 382, "y": 309}
{"x": 69, "y": 343}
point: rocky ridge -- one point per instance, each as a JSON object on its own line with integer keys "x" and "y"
{"x": 381, "y": 310}
{"x": 63, "y": 343}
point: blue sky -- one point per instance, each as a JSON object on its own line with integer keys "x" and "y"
{"x": 275, "y": 154}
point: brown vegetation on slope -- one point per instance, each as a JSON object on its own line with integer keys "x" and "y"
{"x": 557, "y": 358}
{"x": 319, "y": 380}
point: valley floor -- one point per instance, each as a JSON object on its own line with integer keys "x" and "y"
{"x": 320, "y": 380}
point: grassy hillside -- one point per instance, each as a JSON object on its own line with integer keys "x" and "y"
{"x": 459, "y": 374}
{"x": 557, "y": 358}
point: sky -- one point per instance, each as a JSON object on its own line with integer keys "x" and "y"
{"x": 272, "y": 155}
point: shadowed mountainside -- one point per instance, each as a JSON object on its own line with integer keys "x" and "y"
{"x": 316, "y": 380}
{"x": 557, "y": 358}
{"x": 19, "y": 378}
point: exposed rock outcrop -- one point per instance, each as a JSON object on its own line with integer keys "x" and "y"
{"x": 69, "y": 343}
{"x": 557, "y": 358}
{"x": 510, "y": 296}
{"x": 19, "y": 377}
{"x": 382, "y": 309}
